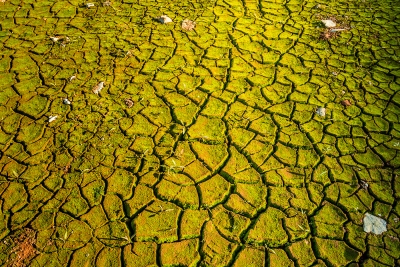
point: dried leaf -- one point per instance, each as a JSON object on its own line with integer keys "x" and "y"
{"x": 188, "y": 25}
{"x": 55, "y": 38}
{"x": 164, "y": 19}
{"x": 52, "y": 118}
{"x": 346, "y": 103}
{"x": 374, "y": 224}
{"x": 321, "y": 111}
{"x": 98, "y": 88}
{"x": 129, "y": 103}
{"x": 329, "y": 23}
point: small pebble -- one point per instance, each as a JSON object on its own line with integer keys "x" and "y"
{"x": 66, "y": 101}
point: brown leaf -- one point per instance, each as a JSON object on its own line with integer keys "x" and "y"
{"x": 188, "y": 25}
{"x": 346, "y": 103}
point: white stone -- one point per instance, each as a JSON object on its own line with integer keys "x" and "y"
{"x": 66, "y": 101}
{"x": 374, "y": 224}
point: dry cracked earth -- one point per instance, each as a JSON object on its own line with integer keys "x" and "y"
{"x": 204, "y": 147}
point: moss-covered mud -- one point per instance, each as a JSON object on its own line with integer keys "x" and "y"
{"x": 204, "y": 147}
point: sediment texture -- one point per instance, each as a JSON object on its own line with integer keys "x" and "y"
{"x": 203, "y": 148}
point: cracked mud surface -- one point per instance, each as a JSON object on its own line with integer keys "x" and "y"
{"x": 203, "y": 148}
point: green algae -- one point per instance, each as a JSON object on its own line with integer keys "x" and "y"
{"x": 268, "y": 229}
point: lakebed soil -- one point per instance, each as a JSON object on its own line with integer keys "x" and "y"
{"x": 203, "y": 146}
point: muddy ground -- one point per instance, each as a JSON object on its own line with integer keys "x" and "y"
{"x": 259, "y": 138}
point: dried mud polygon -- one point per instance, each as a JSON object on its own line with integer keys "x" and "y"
{"x": 204, "y": 146}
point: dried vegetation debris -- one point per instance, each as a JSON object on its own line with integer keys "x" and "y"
{"x": 333, "y": 27}
{"x": 23, "y": 248}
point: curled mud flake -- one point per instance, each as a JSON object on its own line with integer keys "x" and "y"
{"x": 89, "y": 5}
{"x": 98, "y": 88}
{"x": 343, "y": 92}
{"x": 364, "y": 185}
{"x": 329, "y": 23}
{"x": 188, "y": 25}
{"x": 107, "y": 3}
{"x": 374, "y": 224}
{"x": 72, "y": 78}
{"x": 52, "y": 118}
{"x": 164, "y": 19}
{"x": 128, "y": 102}
{"x": 321, "y": 111}
{"x": 346, "y": 103}
{"x": 66, "y": 101}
